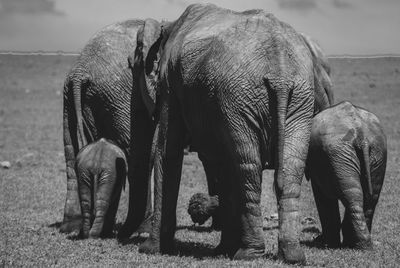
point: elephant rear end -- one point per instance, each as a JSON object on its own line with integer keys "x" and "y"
{"x": 97, "y": 102}
{"x": 347, "y": 162}
{"x": 249, "y": 102}
{"x": 101, "y": 170}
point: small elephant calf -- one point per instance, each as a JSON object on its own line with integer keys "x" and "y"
{"x": 101, "y": 169}
{"x": 347, "y": 162}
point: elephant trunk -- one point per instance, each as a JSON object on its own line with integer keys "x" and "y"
{"x": 213, "y": 205}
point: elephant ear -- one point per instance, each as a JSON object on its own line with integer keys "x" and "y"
{"x": 147, "y": 57}
{"x": 322, "y": 72}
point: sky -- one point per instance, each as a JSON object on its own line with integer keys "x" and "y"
{"x": 341, "y": 27}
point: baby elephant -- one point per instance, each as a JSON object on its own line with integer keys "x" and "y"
{"x": 346, "y": 161}
{"x": 102, "y": 170}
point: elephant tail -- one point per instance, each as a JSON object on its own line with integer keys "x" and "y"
{"x": 367, "y": 172}
{"x": 77, "y": 85}
{"x": 280, "y": 101}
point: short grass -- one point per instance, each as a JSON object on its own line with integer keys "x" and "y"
{"x": 32, "y": 191}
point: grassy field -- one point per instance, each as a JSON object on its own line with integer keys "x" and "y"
{"x": 32, "y": 191}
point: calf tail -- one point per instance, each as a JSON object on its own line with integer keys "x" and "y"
{"x": 367, "y": 171}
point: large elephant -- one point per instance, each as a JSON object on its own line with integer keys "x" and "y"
{"x": 346, "y": 162}
{"x": 100, "y": 102}
{"x": 101, "y": 169}
{"x": 242, "y": 86}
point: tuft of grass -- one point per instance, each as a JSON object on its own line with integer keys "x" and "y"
{"x": 32, "y": 191}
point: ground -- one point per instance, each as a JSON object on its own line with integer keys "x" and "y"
{"x": 32, "y": 190}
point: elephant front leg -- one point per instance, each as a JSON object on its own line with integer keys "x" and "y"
{"x": 328, "y": 211}
{"x": 139, "y": 175}
{"x": 167, "y": 175}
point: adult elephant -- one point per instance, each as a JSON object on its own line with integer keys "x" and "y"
{"x": 242, "y": 86}
{"x": 100, "y": 102}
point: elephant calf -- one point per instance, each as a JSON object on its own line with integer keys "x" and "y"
{"x": 101, "y": 169}
{"x": 346, "y": 161}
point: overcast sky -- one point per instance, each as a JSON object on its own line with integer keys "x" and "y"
{"x": 354, "y": 27}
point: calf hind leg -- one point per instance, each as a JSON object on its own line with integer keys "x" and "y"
{"x": 328, "y": 210}
{"x": 354, "y": 226}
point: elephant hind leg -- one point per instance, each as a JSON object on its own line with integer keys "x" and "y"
{"x": 109, "y": 221}
{"x": 72, "y": 220}
{"x": 370, "y": 202}
{"x": 328, "y": 211}
{"x": 354, "y": 227}
{"x": 246, "y": 170}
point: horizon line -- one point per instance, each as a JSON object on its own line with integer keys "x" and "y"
{"x": 73, "y": 53}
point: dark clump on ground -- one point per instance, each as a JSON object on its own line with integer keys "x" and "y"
{"x": 33, "y": 186}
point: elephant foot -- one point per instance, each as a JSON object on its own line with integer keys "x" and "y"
{"x": 103, "y": 234}
{"x": 94, "y": 236}
{"x": 321, "y": 241}
{"x": 124, "y": 233}
{"x": 128, "y": 228}
{"x": 71, "y": 226}
{"x": 150, "y": 246}
{"x": 249, "y": 253}
{"x": 360, "y": 245}
{"x": 225, "y": 249}
{"x": 291, "y": 252}
{"x": 146, "y": 226}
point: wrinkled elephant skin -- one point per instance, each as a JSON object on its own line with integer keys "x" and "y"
{"x": 101, "y": 169}
{"x": 241, "y": 85}
{"x": 98, "y": 95}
